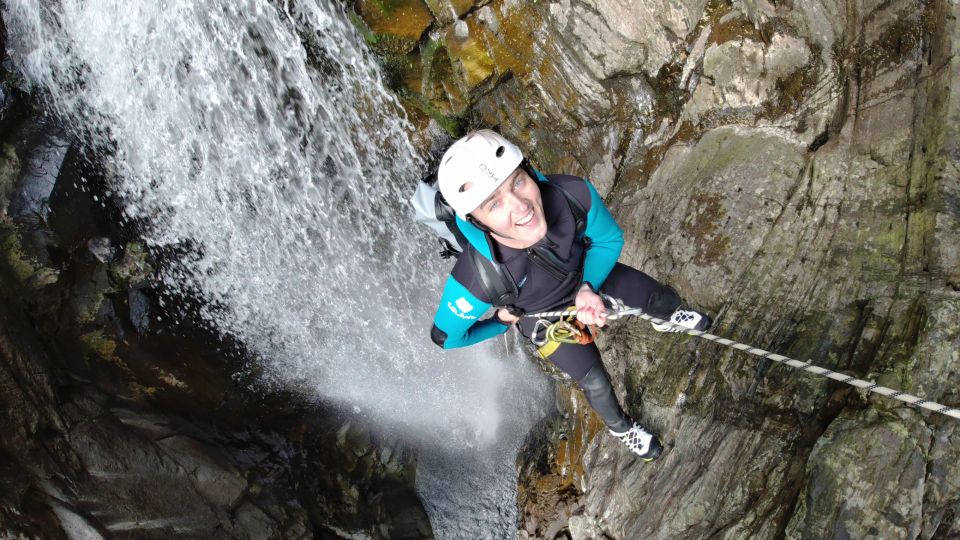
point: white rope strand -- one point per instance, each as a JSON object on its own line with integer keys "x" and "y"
{"x": 916, "y": 401}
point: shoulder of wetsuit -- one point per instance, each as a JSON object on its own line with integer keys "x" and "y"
{"x": 494, "y": 279}
{"x": 577, "y": 194}
{"x": 573, "y": 187}
{"x": 491, "y": 281}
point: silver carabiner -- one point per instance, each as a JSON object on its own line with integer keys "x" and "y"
{"x": 536, "y": 327}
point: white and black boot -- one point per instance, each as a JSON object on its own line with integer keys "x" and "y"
{"x": 684, "y": 319}
{"x": 641, "y": 442}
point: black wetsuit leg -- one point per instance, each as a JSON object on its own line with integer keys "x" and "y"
{"x": 582, "y": 363}
{"x": 637, "y": 289}
{"x": 599, "y": 393}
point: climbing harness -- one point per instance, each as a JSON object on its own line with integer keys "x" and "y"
{"x": 566, "y": 329}
{"x": 618, "y": 311}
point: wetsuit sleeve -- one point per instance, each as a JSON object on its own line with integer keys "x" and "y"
{"x": 457, "y": 322}
{"x": 606, "y": 241}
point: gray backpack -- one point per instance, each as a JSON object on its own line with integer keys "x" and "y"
{"x": 433, "y": 211}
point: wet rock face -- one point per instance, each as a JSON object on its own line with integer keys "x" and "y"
{"x": 616, "y": 37}
{"x": 122, "y": 420}
{"x": 397, "y": 24}
{"x": 790, "y": 167}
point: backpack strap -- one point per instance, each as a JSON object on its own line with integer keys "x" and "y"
{"x": 446, "y": 215}
{"x": 579, "y": 212}
{"x": 497, "y": 284}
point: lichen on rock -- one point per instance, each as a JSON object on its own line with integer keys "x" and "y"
{"x": 739, "y": 76}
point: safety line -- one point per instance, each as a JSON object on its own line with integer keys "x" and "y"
{"x": 803, "y": 366}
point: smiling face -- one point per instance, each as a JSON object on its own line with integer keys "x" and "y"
{"x": 514, "y": 212}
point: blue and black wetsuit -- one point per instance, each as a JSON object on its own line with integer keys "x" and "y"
{"x": 548, "y": 276}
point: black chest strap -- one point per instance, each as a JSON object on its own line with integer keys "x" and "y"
{"x": 497, "y": 283}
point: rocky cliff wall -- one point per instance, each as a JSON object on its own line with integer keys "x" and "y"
{"x": 789, "y": 166}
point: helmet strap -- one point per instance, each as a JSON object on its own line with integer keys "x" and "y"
{"x": 476, "y": 223}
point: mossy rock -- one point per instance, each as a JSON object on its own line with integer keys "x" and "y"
{"x": 395, "y": 25}
{"x": 466, "y": 44}
{"x": 452, "y": 124}
{"x": 16, "y": 264}
{"x": 99, "y": 345}
{"x": 446, "y": 10}
{"x": 134, "y": 266}
{"x": 9, "y": 172}
{"x": 492, "y": 46}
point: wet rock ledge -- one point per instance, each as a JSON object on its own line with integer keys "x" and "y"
{"x": 789, "y": 166}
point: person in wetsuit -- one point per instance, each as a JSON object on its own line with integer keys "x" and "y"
{"x": 560, "y": 245}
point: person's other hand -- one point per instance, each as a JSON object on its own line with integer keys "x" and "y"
{"x": 590, "y": 308}
{"x": 506, "y": 317}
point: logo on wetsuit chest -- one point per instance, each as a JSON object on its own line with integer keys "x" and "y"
{"x": 461, "y": 308}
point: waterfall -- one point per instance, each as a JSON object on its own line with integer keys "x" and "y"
{"x": 256, "y": 138}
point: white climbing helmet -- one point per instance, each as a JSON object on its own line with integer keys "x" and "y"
{"x": 474, "y": 167}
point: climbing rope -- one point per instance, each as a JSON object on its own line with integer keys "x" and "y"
{"x": 619, "y": 311}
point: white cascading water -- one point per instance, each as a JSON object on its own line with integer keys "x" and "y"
{"x": 257, "y": 137}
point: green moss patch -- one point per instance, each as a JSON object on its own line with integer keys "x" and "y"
{"x": 393, "y": 25}
{"x": 99, "y": 345}
{"x": 706, "y": 211}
